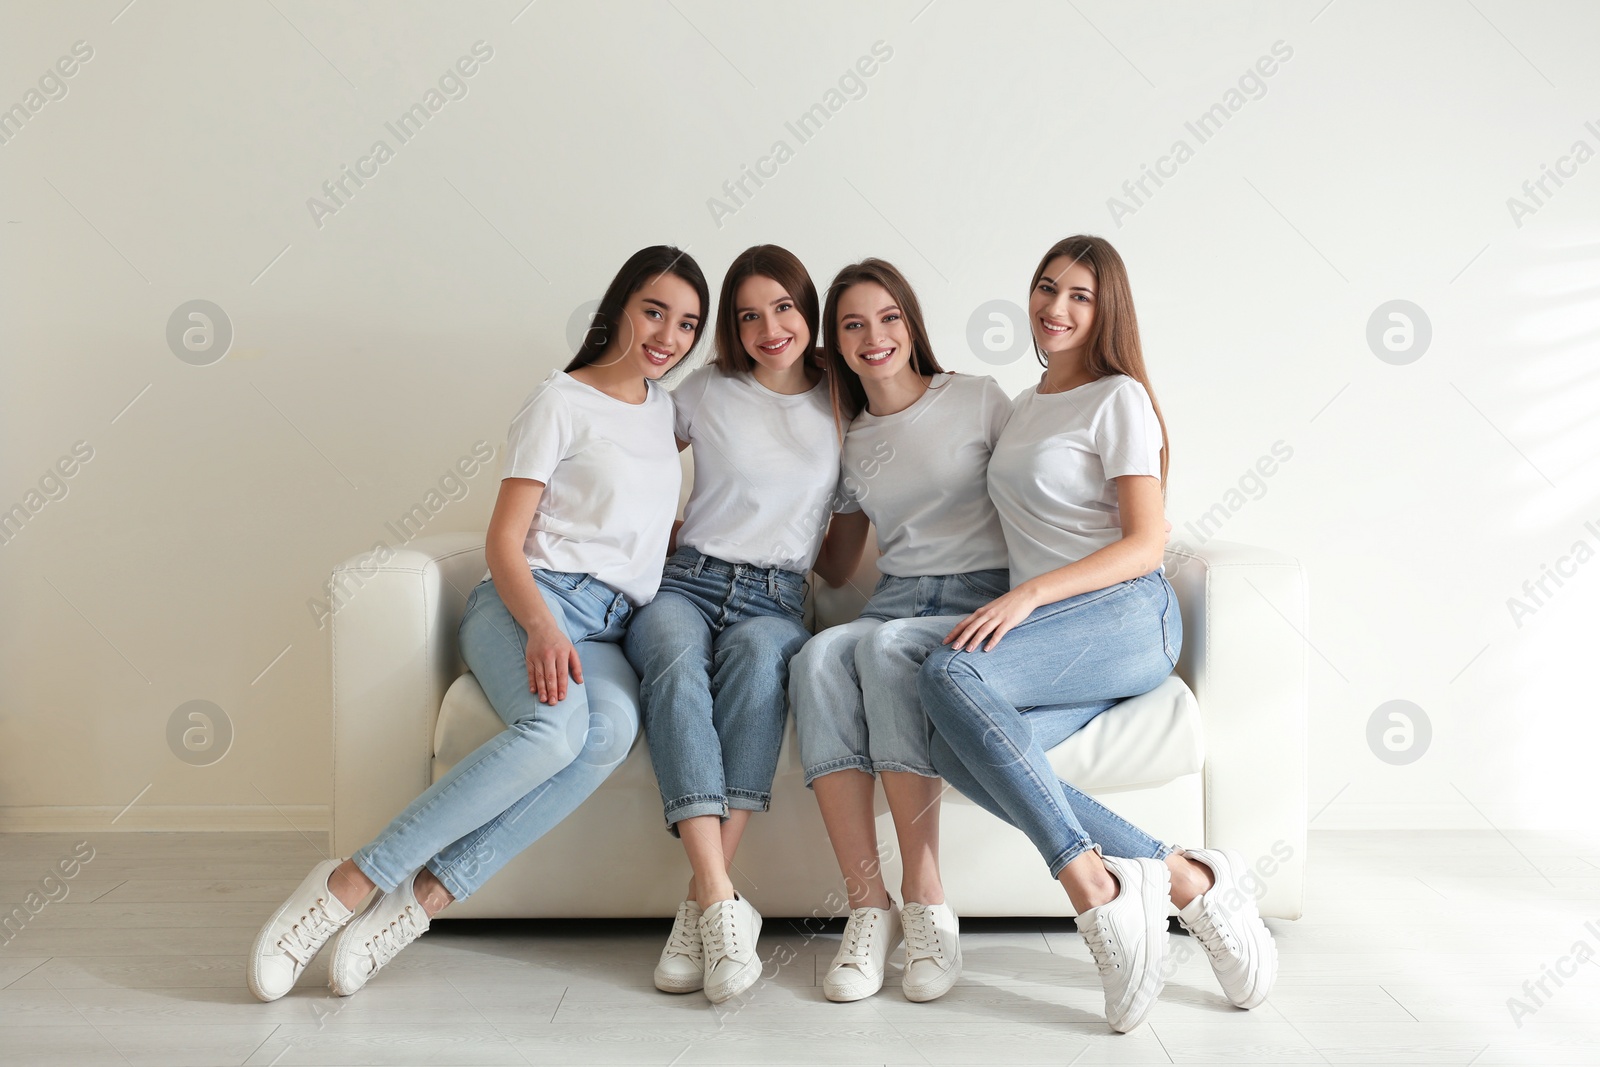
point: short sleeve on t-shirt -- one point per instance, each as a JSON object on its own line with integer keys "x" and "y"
{"x": 540, "y": 436}
{"x": 686, "y": 400}
{"x": 997, "y": 410}
{"x": 1127, "y": 434}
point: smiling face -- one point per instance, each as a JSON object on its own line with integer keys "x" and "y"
{"x": 772, "y": 329}
{"x": 1061, "y": 307}
{"x": 659, "y": 325}
{"x": 873, "y": 338}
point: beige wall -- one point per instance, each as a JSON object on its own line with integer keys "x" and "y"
{"x": 374, "y": 346}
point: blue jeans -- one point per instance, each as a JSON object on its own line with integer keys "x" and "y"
{"x": 854, "y": 686}
{"x": 712, "y": 651}
{"x": 513, "y": 788}
{"x": 997, "y": 713}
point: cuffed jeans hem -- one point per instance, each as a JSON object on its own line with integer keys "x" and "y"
{"x": 691, "y": 807}
{"x": 904, "y": 768}
{"x": 745, "y": 800}
{"x": 375, "y": 876}
{"x": 1071, "y": 854}
{"x": 447, "y": 879}
{"x": 849, "y": 763}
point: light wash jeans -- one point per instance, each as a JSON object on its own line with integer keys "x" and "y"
{"x": 712, "y": 651}
{"x": 854, "y": 686}
{"x": 995, "y": 714}
{"x": 513, "y": 788}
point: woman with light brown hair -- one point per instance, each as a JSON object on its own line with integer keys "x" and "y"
{"x": 1078, "y": 478}
{"x": 915, "y": 461}
{"x": 712, "y": 649}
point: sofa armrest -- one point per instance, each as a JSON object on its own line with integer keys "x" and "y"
{"x": 394, "y": 655}
{"x": 1244, "y": 655}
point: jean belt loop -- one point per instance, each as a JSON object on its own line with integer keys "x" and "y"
{"x": 699, "y": 563}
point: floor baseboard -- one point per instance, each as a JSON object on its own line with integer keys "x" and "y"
{"x": 306, "y": 818}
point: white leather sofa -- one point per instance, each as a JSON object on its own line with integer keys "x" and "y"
{"x": 1214, "y": 756}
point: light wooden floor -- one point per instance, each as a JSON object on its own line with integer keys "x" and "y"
{"x": 1411, "y": 946}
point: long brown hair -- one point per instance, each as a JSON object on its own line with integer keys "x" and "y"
{"x": 783, "y": 267}
{"x": 849, "y": 397}
{"x": 1114, "y": 345}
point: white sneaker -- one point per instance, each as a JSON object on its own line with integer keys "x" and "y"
{"x": 933, "y": 950}
{"x": 1128, "y": 938}
{"x": 376, "y": 937}
{"x": 857, "y": 968}
{"x": 682, "y": 968}
{"x": 1227, "y": 923}
{"x": 728, "y": 932}
{"x": 295, "y": 933}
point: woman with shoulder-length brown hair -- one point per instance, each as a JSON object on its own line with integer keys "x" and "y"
{"x": 915, "y": 459}
{"x": 1078, "y": 478}
{"x": 712, "y": 649}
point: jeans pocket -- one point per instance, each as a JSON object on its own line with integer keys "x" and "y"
{"x": 792, "y": 596}
{"x": 1171, "y": 622}
{"x": 987, "y": 584}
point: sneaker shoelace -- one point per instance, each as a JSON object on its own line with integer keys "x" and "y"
{"x": 722, "y": 940}
{"x": 384, "y": 945}
{"x": 921, "y": 935}
{"x": 1213, "y": 936}
{"x": 685, "y": 937}
{"x": 1105, "y": 956}
{"x": 858, "y": 933}
{"x": 306, "y": 936}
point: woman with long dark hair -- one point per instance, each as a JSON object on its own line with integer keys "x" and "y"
{"x": 1078, "y": 478}
{"x": 585, "y": 509}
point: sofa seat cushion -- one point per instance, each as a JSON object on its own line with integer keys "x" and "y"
{"x": 1148, "y": 740}
{"x": 1144, "y": 741}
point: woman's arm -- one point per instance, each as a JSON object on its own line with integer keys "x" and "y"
{"x": 551, "y": 659}
{"x": 677, "y": 524}
{"x": 841, "y": 547}
{"x": 1137, "y": 552}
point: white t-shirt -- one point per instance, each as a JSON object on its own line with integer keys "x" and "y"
{"x": 1051, "y": 475}
{"x": 611, "y": 477}
{"x": 919, "y": 474}
{"x": 765, "y": 469}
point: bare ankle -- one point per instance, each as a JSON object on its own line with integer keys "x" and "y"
{"x": 431, "y": 893}
{"x": 867, "y": 894}
{"x": 1089, "y": 882}
{"x": 1189, "y": 879}
{"x": 714, "y": 893}
{"x": 1102, "y": 890}
{"x": 349, "y": 884}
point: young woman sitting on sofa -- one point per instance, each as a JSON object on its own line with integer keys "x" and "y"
{"x": 575, "y": 545}
{"x": 713, "y": 648}
{"x": 1078, "y": 477}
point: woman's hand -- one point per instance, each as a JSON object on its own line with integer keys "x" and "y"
{"x": 551, "y": 659}
{"x": 994, "y": 620}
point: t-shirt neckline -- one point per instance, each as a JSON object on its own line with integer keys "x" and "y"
{"x": 750, "y": 379}
{"x": 648, "y": 392}
{"x": 936, "y": 382}
{"x": 1075, "y": 388}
